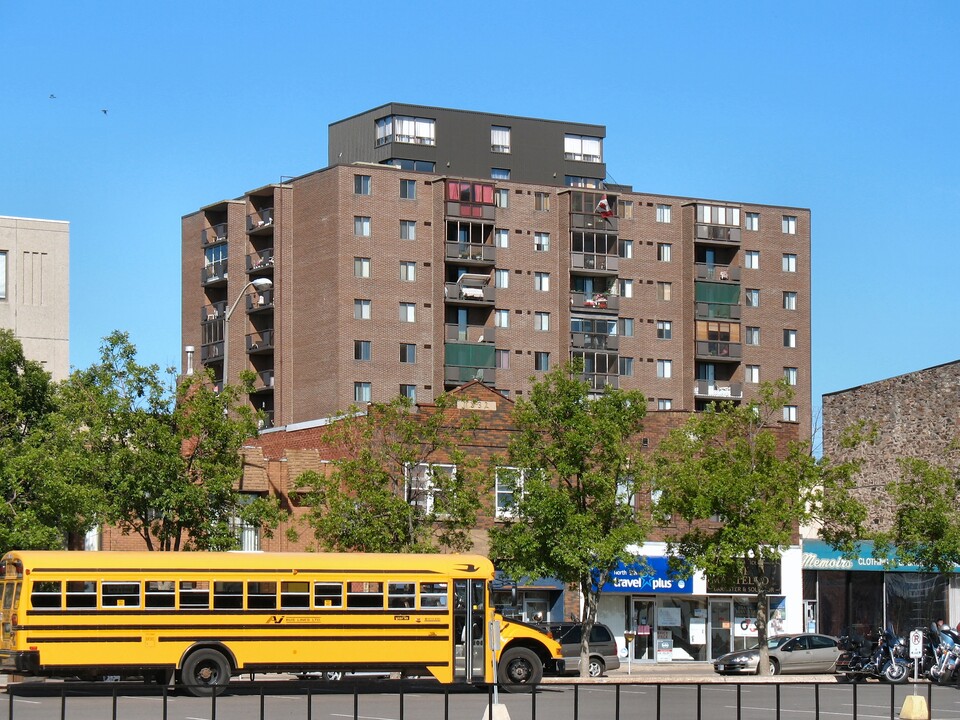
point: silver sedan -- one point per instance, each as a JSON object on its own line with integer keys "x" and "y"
{"x": 798, "y": 653}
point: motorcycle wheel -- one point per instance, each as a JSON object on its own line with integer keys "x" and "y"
{"x": 894, "y": 672}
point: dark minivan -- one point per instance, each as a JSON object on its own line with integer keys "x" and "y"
{"x": 603, "y": 647}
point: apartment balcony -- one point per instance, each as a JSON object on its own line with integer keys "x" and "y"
{"x": 214, "y": 235}
{"x": 260, "y": 221}
{"x": 263, "y": 382}
{"x": 594, "y": 264}
{"x": 594, "y": 221}
{"x": 718, "y": 390}
{"x": 260, "y": 263}
{"x": 259, "y": 343}
{"x": 719, "y": 350}
{"x": 470, "y": 291}
{"x": 596, "y": 302}
{"x": 472, "y": 210}
{"x": 722, "y": 234}
{"x": 470, "y": 333}
{"x": 601, "y": 381}
{"x": 212, "y": 352}
{"x": 594, "y": 341}
{"x": 717, "y": 311}
{"x": 456, "y": 375}
{"x": 259, "y": 301}
{"x": 214, "y": 274}
{"x": 212, "y": 312}
{"x": 471, "y": 253}
{"x": 266, "y": 420}
{"x": 718, "y": 273}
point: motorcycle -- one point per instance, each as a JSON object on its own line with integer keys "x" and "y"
{"x": 946, "y": 655}
{"x": 884, "y": 660}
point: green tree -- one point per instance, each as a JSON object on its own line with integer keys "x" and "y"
{"x": 572, "y": 516}
{"x": 733, "y": 496}
{"x": 391, "y": 488}
{"x": 167, "y": 458}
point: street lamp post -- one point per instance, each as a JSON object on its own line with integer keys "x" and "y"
{"x": 259, "y": 284}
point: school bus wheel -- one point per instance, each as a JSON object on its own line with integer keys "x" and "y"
{"x": 519, "y": 666}
{"x": 205, "y": 672}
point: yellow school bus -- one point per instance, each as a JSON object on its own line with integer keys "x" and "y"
{"x": 202, "y": 617}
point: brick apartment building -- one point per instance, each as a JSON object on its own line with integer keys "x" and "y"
{"x": 442, "y": 246}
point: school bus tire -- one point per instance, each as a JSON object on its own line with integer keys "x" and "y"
{"x": 205, "y": 672}
{"x": 518, "y": 669}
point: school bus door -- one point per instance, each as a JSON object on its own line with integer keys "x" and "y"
{"x": 469, "y": 627}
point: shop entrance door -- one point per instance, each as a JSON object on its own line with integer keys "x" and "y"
{"x": 644, "y": 646}
{"x": 721, "y": 616}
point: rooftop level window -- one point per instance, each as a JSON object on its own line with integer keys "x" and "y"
{"x": 582, "y": 147}
{"x": 406, "y": 129}
{"x": 499, "y": 139}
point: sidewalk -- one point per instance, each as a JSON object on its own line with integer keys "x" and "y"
{"x": 683, "y": 672}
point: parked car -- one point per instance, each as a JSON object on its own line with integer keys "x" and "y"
{"x": 797, "y": 653}
{"x": 603, "y": 647}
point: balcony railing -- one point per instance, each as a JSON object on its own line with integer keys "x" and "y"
{"x": 717, "y": 233}
{"x": 717, "y": 311}
{"x": 260, "y": 342}
{"x": 471, "y": 252}
{"x": 718, "y": 273}
{"x": 215, "y": 234}
{"x": 600, "y": 381}
{"x": 266, "y": 420}
{"x": 212, "y": 352}
{"x": 263, "y": 381}
{"x": 215, "y": 311}
{"x": 594, "y": 221}
{"x": 470, "y": 333}
{"x": 260, "y": 261}
{"x": 594, "y": 341}
{"x": 597, "y": 301}
{"x": 718, "y": 390}
{"x": 594, "y": 263}
{"x": 214, "y": 273}
{"x": 458, "y": 375}
{"x": 454, "y": 292}
{"x": 471, "y": 210}
{"x": 260, "y": 220}
{"x": 719, "y": 350}
{"x": 258, "y": 301}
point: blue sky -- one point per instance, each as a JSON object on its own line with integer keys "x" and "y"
{"x": 848, "y": 108}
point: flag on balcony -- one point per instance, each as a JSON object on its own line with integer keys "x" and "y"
{"x": 603, "y": 208}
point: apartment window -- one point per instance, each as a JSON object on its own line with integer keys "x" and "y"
{"x": 361, "y": 226}
{"x": 664, "y": 252}
{"x": 664, "y": 290}
{"x": 626, "y": 249}
{"x": 790, "y": 413}
{"x": 752, "y": 336}
{"x": 361, "y": 267}
{"x": 626, "y": 288}
{"x": 408, "y": 189}
{"x": 509, "y": 485}
{"x": 541, "y": 241}
{"x": 361, "y": 392}
{"x": 408, "y": 271}
{"x": 718, "y": 215}
{"x": 582, "y": 147}
{"x": 664, "y": 329}
{"x": 789, "y": 338}
{"x": 751, "y": 259}
{"x": 664, "y": 368}
{"x": 361, "y": 349}
{"x": 361, "y": 309}
{"x": 664, "y": 404}
{"x": 501, "y": 278}
{"x": 789, "y": 262}
{"x": 790, "y": 373}
{"x": 541, "y": 201}
{"x": 501, "y": 237}
{"x": 751, "y": 374}
{"x": 501, "y": 359}
{"x": 626, "y": 366}
{"x": 3, "y": 275}
{"x": 790, "y": 224}
{"x": 626, "y": 327}
{"x": 663, "y": 213}
{"x": 500, "y": 173}
{"x": 541, "y": 361}
{"x": 361, "y": 184}
{"x": 581, "y": 182}
{"x": 408, "y": 353}
{"x": 409, "y": 392}
{"x": 625, "y": 209}
{"x": 408, "y": 312}
{"x": 541, "y": 321}
{"x": 751, "y": 297}
{"x": 541, "y": 281}
{"x": 501, "y": 197}
{"x": 501, "y": 318}
{"x": 408, "y": 229}
{"x": 406, "y": 129}
{"x": 753, "y": 221}
{"x": 789, "y": 300}
{"x": 499, "y": 139}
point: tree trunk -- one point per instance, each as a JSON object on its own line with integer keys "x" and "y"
{"x": 763, "y": 668}
{"x": 588, "y": 618}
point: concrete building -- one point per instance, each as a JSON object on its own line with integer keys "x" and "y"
{"x": 35, "y": 289}
{"x": 442, "y": 246}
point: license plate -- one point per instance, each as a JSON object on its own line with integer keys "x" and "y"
{"x": 721, "y": 668}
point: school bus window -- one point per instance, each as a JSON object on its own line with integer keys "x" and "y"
{"x": 81, "y": 594}
{"x": 159, "y": 594}
{"x": 363, "y": 594}
{"x": 401, "y": 595}
{"x": 227, "y": 595}
{"x": 195, "y": 594}
{"x": 294, "y": 595}
{"x": 45, "y": 594}
{"x": 328, "y": 594}
{"x": 120, "y": 594}
{"x": 261, "y": 595}
{"x": 433, "y": 594}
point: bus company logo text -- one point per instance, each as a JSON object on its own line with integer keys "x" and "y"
{"x": 293, "y": 620}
